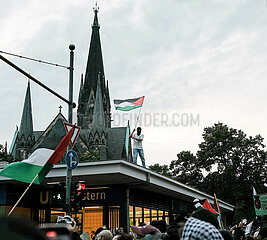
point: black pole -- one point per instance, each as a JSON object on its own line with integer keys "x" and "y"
{"x": 69, "y": 171}
{"x": 37, "y": 81}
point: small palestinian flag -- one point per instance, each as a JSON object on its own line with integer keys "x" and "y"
{"x": 204, "y": 204}
{"x": 128, "y": 104}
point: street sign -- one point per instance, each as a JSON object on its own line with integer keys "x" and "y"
{"x": 75, "y": 132}
{"x": 72, "y": 159}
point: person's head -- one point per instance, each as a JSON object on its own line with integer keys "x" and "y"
{"x": 124, "y": 236}
{"x": 142, "y": 224}
{"x": 100, "y": 229}
{"x": 207, "y": 216}
{"x": 174, "y": 232}
{"x": 142, "y": 231}
{"x": 160, "y": 225}
{"x": 105, "y": 235}
{"x": 226, "y": 235}
{"x": 68, "y": 220}
{"x": 139, "y": 129}
{"x": 121, "y": 230}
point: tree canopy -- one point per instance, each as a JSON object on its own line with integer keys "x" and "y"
{"x": 4, "y": 156}
{"x": 228, "y": 163}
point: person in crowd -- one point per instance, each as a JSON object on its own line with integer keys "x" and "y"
{"x": 173, "y": 232}
{"x": 92, "y": 234}
{"x": 97, "y": 232}
{"x": 201, "y": 226}
{"x": 119, "y": 231}
{"x": 141, "y": 224}
{"x": 69, "y": 220}
{"x": 238, "y": 231}
{"x": 161, "y": 225}
{"x": 227, "y": 235}
{"x": 85, "y": 236}
{"x": 207, "y": 216}
{"x": 147, "y": 232}
{"x": 137, "y": 146}
{"x": 123, "y": 236}
{"x": 105, "y": 235}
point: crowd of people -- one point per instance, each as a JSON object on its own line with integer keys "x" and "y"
{"x": 201, "y": 225}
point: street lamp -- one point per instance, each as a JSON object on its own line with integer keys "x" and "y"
{"x": 69, "y": 171}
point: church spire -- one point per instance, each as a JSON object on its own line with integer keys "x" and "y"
{"x": 26, "y": 124}
{"x": 95, "y": 24}
{"x": 98, "y": 135}
{"x": 98, "y": 115}
{"x": 88, "y": 87}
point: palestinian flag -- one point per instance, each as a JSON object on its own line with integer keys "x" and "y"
{"x": 204, "y": 204}
{"x": 40, "y": 162}
{"x": 128, "y": 104}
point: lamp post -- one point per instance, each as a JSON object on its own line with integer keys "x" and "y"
{"x": 70, "y": 103}
{"x": 69, "y": 171}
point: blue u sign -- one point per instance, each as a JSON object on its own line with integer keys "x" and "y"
{"x": 72, "y": 159}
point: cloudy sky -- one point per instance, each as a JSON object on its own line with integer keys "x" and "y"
{"x": 196, "y": 62}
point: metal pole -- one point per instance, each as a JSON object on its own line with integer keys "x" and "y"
{"x": 69, "y": 171}
{"x": 36, "y": 80}
{"x": 23, "y": 194}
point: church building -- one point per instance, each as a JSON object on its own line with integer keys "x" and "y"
{"x": 94, "y": 116}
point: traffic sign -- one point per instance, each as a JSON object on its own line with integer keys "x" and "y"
{"x": 72, "y": 159}
{"x": 75, "y": 132}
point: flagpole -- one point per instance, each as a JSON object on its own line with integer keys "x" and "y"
{"x": 137, "y": 118}
{"x": 22, "y": 195}
{"x": 217, "y": 204}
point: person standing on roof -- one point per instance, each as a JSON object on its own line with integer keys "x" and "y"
{"x": 137, "y": 146}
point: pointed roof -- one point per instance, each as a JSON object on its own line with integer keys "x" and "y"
{"x": 26, "y": 124}
{"x": 98, "y": 123}
{"x": 95, "y": 60}
{"x": 81, "y": 89}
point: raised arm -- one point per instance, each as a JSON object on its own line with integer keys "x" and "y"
{"x": 131, "y": 135}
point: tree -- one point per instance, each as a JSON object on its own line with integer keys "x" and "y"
{"x": 161, "y": 169}
{"x": 89, "y": 156}
{"x": 239, "y": 162}
{"x": 228, "y": 163}
{"x": 4, "y": 156}
{"x": 185, "y": 169}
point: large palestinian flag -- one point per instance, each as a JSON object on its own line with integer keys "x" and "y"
{"x": 128, "y": 104}
{"x": 203, "y": 203}
{"x": 40, "y": 162}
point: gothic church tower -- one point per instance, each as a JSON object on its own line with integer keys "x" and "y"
{"x": 88, "y": 87}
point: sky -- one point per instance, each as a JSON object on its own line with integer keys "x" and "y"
{"x": 196, "y": 62}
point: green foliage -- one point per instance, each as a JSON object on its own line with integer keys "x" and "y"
{"x": 185, "y": 169}
{"x": 161, "y": 169}
{"x": 228, "y": 163}
{"x": 240, "y": 163}
{"x": 5, "y": 156}
{"x": 89, "y": 156}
